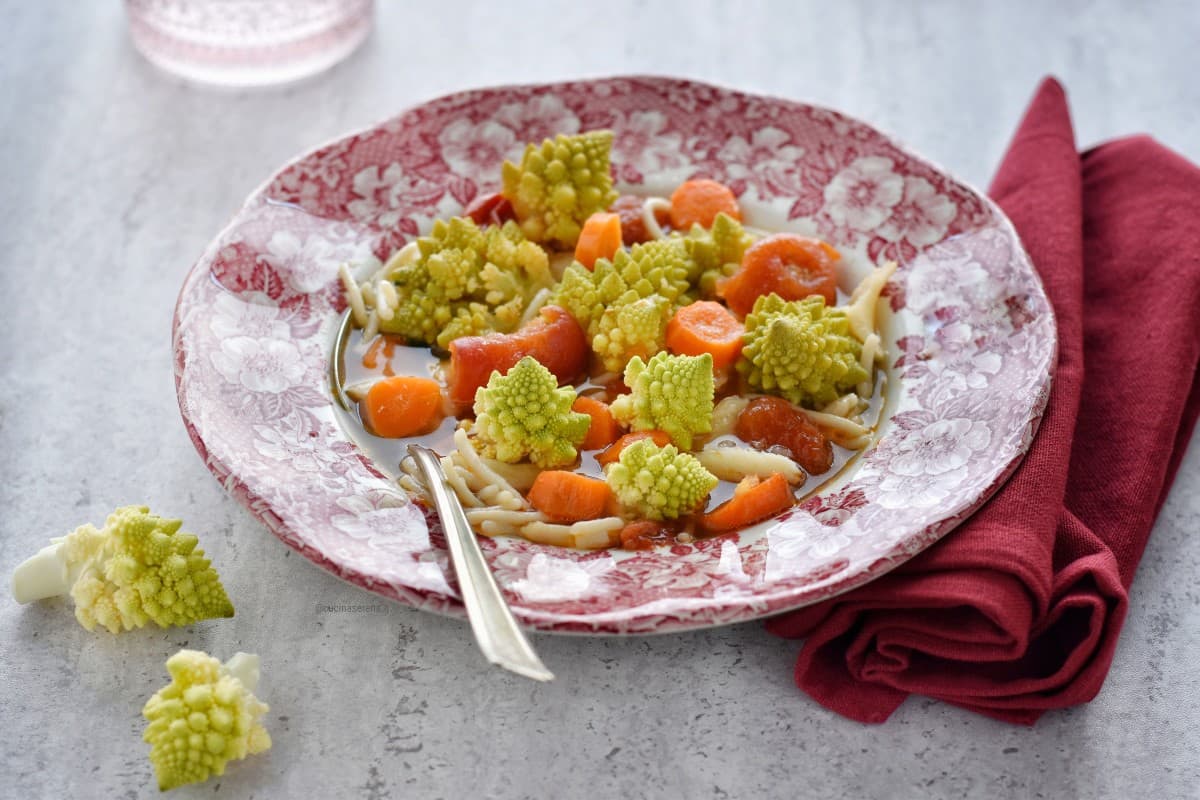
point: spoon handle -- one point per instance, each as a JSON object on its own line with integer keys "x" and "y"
{"x": 497, "y": 633}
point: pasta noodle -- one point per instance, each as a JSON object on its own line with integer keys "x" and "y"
{"x": 353, "y": 295}
{"x": 372, "y": 326}
{"x": 459, "y": 485}
{"x": 519, "y": 476}
{"x": 535, "y": 305}
{"x": 841, "y": 430}
{"x": 402, "y": 258}
{"x": 726, "y": 413}
{"x": 847, "y": 405}
{"x": 870, "y": 351}
{"x": 492, "y": 528}
{"x": 649, "y": 220}
{"x": 861, "y": 310}
{"x": 734, "y": 463}
{"x": 590, "y": 535}
{"x": 358, "y": 391}
{"x": 386, "y": 299}
{"x": 504, "y": 516}
{"x": 475, "y": 463}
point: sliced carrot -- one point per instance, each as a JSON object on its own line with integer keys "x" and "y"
{"x": 402, "y": 406}
{"x": 791, "y": 266}
{"x": 490, "y": 209}
{"x": 774, "y": 422}
{"x": 698, "y": 202}
{"x": 553, "y": 338}
{"x": 604, "y": 429}
{"x": 568, "y": 496}
{"x": 599, "y": 238}
{"x": 706, "y": 327}
{"x": 753, "y": 501}
{"x": 645, "y": 534}
{"x": 611, "y": 453}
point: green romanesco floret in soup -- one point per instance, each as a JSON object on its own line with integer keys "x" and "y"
{"x": 717, "y": 251}
{"x": 206, "y": 717}
{"x": 631, "y": 326}
{"x": 586, "y": 293}
{"x": 658, "y": 482}
{"x": 656, "y": 269}
{"x": 466, "y": 280}
{"x": 525, "y": 415}
{"x": 663, "y": 267}
{"x": 559, "y": 184}
{"x": 800, "y": 350}
{"x": 669, "y": 393}
{"x": 138, "y": 568}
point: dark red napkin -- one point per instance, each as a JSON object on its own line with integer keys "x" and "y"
{"x": 1018, "y": 611}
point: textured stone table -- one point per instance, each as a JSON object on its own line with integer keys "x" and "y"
{"x": 112, "y": 180}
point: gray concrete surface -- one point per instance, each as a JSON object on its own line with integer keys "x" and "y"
{"x": 112, "y": 180}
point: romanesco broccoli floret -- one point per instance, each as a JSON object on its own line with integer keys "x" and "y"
{"x": 669, "y": 393}
{"x": 466, "y": 280}
{"x": 631, "y": 326}
{"x": 658, "y": 482}
{"x": 661, "y": 268}
{"x": 138, "y": 568}
{"x": 206, "y": 717}
{"x": 800, "y": 350}
{"x": 452, "y": 255}
{"x": 560, "y": 184}
{"x": 586, "y": 293}
{"x": 524, "y": 414}
{"x": 717, "y": 251}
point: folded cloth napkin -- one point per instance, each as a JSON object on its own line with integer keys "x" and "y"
{"x": 1018, "y": 610}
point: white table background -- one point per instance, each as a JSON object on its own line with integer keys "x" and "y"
{"x": 112, "y": 180}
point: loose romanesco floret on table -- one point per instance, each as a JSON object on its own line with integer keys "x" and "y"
{"x": 138, "y": 568}
{"x": 800, "y": 350}
{"x": 631, "y": 326}
{"x": 717, "y": 251}
{"x": 524, "y": 414}
{"x": 466, "y": 280}
{"x": 669, "y": 393}
{"x": 559, "y": 184}
{"x": 658, "y": 482}
{"x": 206, "y": 717}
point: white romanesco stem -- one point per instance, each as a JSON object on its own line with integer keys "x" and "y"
{"x": 244, "y": 667}
{"x": 44, "y": 575}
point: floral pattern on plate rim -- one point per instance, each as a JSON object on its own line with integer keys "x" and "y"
{"x": 971, "y": 344}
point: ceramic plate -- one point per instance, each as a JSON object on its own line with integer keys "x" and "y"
{"x": 969, "y": 331}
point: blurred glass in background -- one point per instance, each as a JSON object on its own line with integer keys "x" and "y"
{"x": 247, "y": 42}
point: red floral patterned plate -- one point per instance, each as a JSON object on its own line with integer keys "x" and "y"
{"x": 970, "y": 337}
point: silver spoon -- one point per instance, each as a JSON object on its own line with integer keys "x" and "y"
{"x": 497, "y": 633}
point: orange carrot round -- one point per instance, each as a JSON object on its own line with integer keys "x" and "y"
{"x": 791, "y": 266}
{"x": 706, "y": 327}
{"x": 646, "y": 534}
{"x": 604, "y": 429}
{"x": 699, "y": 201}
{"x": 753, "y": 501}
{"x": 611, "y": 453}
{"x": 599, "y": 238}
{"x": 402, "y": 406}
{"x": 568, "y": 496}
